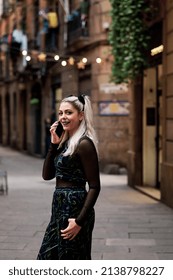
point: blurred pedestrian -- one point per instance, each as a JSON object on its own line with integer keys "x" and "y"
{"x": 51, "y": 23}
{"x": 84, "y": 10}
{"x": 47, "y": 124}
{"x": 72, "y": 158}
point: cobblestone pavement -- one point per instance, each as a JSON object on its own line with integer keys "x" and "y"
{"x": 129, "y": 224}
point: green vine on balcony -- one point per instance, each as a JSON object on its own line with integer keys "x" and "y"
{"x": 128, "y": 39}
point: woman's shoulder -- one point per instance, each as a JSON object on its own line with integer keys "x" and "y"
{"x": 85, "y": 140}
{"x": 86, "y": 144}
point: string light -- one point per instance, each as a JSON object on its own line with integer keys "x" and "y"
{"x": 71, "y": 61}
{"x": 81, "y": 65}
{"x": 56, "y": 57}
{"x": 98, "y": 60}
{"x": 28, "y": 58}
{"x": 64, "y": 63}
{"x": 84, "y": 60}
{"x": 42, "y": 57}
{"x": 24, "y": 52}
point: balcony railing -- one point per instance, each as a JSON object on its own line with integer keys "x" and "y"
{"x": 77, "y": 29}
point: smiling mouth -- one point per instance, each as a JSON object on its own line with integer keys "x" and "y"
{"x": 65, "y": 123}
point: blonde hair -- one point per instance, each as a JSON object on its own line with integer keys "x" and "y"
{"x": 86, "y": 127}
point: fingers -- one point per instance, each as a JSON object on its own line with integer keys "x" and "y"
{"x": 71, "y": 231}
{"x": 68, "y": 234}
{"x": 53, "y": 126}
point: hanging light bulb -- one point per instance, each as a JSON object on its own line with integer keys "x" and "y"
{"x": 24, "y": 52}
{"x": 64, "y": 63}
{"x": 84, "y": 60}
{"x": 98, "y": 60}
{"x": 28, "y": 58}
{"x": 56, "y": 57}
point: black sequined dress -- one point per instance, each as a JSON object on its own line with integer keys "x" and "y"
{"x": 71, "y": 201}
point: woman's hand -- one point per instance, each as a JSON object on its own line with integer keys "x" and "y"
{"x": 71, "y": 231}
{"x": 55, "y": 139}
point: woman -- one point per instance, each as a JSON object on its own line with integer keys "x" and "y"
{"x": 72, "y": 159}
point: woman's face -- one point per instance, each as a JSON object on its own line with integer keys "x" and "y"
{"x": 69, "y": 117}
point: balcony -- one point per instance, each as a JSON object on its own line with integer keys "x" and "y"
{"x": 78, "y": 33}
{"x": 6, "y": 8}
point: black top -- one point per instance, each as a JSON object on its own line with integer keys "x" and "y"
{"x": 69, "y": 168}
{"x": 79, "y": 168}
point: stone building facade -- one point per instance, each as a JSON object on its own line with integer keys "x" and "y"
{"x": 167, "y": 162}
{"x": 150, "y": 155}
{"x": 30, "y": 91}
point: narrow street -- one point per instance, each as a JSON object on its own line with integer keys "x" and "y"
{"x": 129, "y": 224}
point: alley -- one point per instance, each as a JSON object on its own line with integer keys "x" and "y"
{"x": 129, "y": 225}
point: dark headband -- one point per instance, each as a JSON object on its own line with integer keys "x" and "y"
{"x": 81, "y": 99}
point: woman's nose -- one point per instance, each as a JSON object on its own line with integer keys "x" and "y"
{"x": 63, "y": 116}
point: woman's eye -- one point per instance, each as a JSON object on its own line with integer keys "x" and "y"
{"x": 65, "y": 113}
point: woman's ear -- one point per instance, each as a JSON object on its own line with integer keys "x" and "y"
{"x": 81, "y": 116}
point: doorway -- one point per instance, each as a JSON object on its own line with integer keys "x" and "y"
{"x": 152, "y": 126}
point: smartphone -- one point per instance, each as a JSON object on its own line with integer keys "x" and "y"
{"x": 59, "y": 129}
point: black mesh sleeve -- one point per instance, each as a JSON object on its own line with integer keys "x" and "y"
{"x": 48, "y": 171}
{"x": 89, "y": 160}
